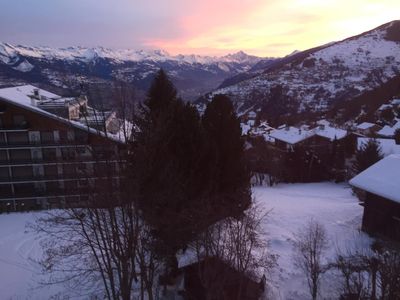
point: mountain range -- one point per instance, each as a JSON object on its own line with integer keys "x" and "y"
{"x": 193, "y": 75}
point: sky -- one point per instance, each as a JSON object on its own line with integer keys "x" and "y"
{"x": 268, "y": 28}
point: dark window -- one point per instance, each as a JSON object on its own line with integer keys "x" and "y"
{"x": 51, "y": 170}
{"x": 1, "y": 123}
{"x": 69, "y": 169}
{"x": 2, "y": 138}
{"x": 20, "y": 155}
{"x": 24, "y": 189}
{"x": 22, "y": 172}
{"x": 47, "y": 137}
{"x": 52, "y": 187}
{"x": 17, "y": 138}
{"x": 5, "y": 190}
{"x": 3, "y": 155}
{"x": 71, "y": 186}
{"x": 68, "y": 153}
{"x": 49, "y": 154}
{"x": 4, "y": 173}
{"x": 81, "y": 136}
{"x": 19, "y": 121}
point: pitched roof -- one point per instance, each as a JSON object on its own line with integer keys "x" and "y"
{"x": 331, "y": 132}
{"x": 365, "y": 125}
{"x": 291, "y": 135}
{"x": 389, "y": 131}
{"x": 382, "y": 178}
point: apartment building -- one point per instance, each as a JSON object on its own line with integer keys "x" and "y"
{"x": 54, "y": 151}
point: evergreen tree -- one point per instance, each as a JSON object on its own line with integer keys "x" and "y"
{"x": 397, "y": 136}
{"x": 164, "y": 161}
{"x": 368, "y": 154}
{"x": 229, "y": 179}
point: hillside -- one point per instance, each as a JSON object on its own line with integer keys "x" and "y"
{"x": 322, "y": 78}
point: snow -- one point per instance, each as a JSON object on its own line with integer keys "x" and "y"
{"x": 387, "y": 146}
{"x": 365, "y": 125}
{"x": 19, "y": 250}
{"x": 389, "y": 131}
{"x": 330, "y": 132}
{"x": 291, "y": 135}
{"x": 382, "y": 178}
{"x": 291, "y": 205}
{"x": 25, "y": 66}
{"x": 8, "y": 52}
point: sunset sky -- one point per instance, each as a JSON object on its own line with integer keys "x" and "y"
{"x": 215, "y": 27}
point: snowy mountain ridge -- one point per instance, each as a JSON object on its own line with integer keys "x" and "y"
{"x": 193, "y": 75}
{"x": 314, "y": 80}
{"x": 10, "y": 53}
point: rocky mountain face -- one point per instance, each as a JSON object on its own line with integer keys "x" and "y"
{"x": 193, "y": 75}
{"x": 323, "y": 79}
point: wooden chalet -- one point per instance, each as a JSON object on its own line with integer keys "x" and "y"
{"x": 380, "y": 186}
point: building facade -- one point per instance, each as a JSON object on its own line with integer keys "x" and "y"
{"x": 48, "y": 157}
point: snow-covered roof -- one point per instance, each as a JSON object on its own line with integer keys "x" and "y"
{"x": 384, "y": 107}
{"x": 365, "y": 125}
{"x": 388, "y": 146}
{"x": 331, "y": 132}
{"x": 21, "y": 96}
{"x": 323, "y": 122}
{"x": 291, "y": 135}
{"x": 389, "y": 131}
{"x": 382, "y": 178}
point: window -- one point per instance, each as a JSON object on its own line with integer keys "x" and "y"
{"x": 4, "y": 173}
{"x": 17, "y": 138}
{"x": 47, "y": 137}
{"x": 24, "y": 189}
{"x": 5, "y": 190}
{"x": 20, "y": 155}
{"x": 68, "y": 154}
{"x": 49, "y": 154}
{"x": 51, "y": 170}
{"x": 2, "y": 138}
{"x": 3, "y": 155}
{"x": 19, "y": 121}
{"x": 22, "y": 172}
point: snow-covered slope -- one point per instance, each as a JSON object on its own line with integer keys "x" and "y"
{"x": 194, "y": 75}
{"x": 290, "y": 206}
{"x": 316, "y": 79}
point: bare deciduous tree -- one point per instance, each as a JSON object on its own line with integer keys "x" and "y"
{"x": 239, "y": 243}
{"x": 309, "y": 245}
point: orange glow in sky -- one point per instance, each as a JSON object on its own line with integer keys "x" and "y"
{"x": 273, "y": 28}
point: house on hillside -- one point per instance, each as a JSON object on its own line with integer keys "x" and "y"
{"x": 368, "y": 129}
{"x": 319, "y": 139}
{"x": 53, "y": 150}
{"x": 389, "y": 131}
{"x": 380, "y": 186}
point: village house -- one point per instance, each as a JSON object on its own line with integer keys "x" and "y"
{"x": 389, "y": 131}
{"x": 53, "y": 149}
{"x": 380, "y": 186}
{"x": 368, "y": 129}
